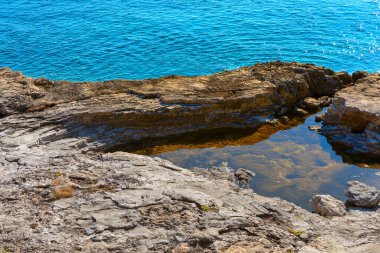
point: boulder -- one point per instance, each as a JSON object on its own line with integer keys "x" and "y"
{"x": 360, "y": 194}
{"x": 326, "y": 205}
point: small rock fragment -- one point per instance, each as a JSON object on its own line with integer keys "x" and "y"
{"x": 43, "y": 82}
{"x": 12, "y": 158}
{"x": 319, "y": 118}
{"x": 243, "y": 175}
{"x": 284, "y": 119}
{"x": 311, "y": 103}
{"x": 314, "y": 128}
{"x": 324, "y": 101}
{"x": 299, "y": 111}
{"x": 326, "y": 205}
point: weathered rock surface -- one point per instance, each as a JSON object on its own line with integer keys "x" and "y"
{"x": 313, "y": 104}
{"x": 359, "y": 75}
{"x": 120, "y": 111}
{"x": 59, "y": 195}
{"x": 354, "y": 117}
{"x": 360, "y": 194}
{"x": 327, "y": 205}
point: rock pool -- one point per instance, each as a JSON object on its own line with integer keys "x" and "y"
{"x": 293, "y": 163}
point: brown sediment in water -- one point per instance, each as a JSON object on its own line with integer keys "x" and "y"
{"x": 213, "y": 138}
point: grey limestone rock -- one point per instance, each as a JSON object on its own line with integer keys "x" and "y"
{"x": 360, "y": 194}
{"x": 326, "y": 205}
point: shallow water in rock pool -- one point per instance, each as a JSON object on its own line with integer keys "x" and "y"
{"x": 294, "y": 163}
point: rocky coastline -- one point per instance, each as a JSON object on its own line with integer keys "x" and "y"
{"x": 353, "y": 120}
{"x": 61, "y": 192}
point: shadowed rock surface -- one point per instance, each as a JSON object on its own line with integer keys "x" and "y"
{"x": 108, "y": 113}
{"x": 354, "y": 117}
{"x": 58, "y": 194}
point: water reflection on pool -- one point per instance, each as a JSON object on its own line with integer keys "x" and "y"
{"x": 293, "y": 164}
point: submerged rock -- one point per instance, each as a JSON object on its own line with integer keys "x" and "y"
{"x": 360, "y": 194}
{"x": 243, "y": 175}
{"x": 326, "y": 205}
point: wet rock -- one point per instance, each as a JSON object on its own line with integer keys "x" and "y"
{"x": 314, "y": 128}
{"x": 360, "y": 194}
{"x": 326, "y": 205}
{"x": 319, "y": 118}
{"x": 243, "y": 175}
{"x": 359, "y": 75}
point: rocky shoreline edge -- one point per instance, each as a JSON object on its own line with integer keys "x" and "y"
{"x": 60, "y": 193}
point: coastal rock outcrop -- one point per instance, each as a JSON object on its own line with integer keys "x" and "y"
{"x": 120, "y": 111}
{"x": 360, "y": 194}
{"x": 354, "y": 117}
{"x": 59, "y": 194}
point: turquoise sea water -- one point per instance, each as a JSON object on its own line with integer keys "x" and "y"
{"x": 108, "y": 39}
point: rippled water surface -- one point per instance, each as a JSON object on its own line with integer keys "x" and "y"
{"x": 97, "y": 40}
